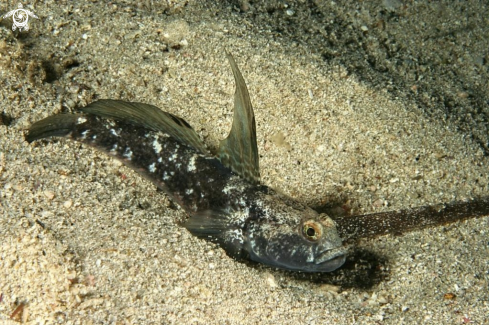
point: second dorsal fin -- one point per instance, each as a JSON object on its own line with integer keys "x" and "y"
{"x": 239, "y": 150}
{"x": 148, "y": 116}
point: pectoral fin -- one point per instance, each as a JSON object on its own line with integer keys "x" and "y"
{"x": 215, "y": 225}
{"x": 208, "y": 223}
{"x": 147, "y": 116}
{"x": 239, "y": 150}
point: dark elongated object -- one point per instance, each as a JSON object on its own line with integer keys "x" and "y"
{"x": 221, "y": 194}
{"x": 402, "y": 221}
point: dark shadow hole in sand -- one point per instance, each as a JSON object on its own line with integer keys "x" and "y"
{"x": 51, "y": 71}
{"x": 71, "y": 63}
{"x": 6, "y": 119}
{"x": 362, "y": 270}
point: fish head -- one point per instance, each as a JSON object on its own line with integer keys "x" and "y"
{"x": 308, "y": 244}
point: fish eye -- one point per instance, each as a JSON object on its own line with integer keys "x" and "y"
{"x": 312, "y": 230}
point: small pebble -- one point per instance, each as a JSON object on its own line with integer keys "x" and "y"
{"x": 68, "y": 204}
{"x": 329, "y": 288}
{"x": 49, "y": 195}
{"x": 270, "y": 279}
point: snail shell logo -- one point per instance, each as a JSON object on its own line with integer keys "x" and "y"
{"x": 20, "y": 18}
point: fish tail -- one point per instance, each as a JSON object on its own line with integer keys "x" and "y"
{"x": 59, "y": 125}
{"x": 153, "y": 154}
{"x": 105, "y": 134}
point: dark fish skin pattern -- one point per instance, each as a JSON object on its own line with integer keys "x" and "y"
{"x": 222, "y": 195}
{"x": 173, "y": 167}
{"x": 252, "y": 216}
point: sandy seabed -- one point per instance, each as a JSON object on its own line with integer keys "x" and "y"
{"x": 360, "y": 106}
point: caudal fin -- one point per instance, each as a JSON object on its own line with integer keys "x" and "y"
{"x": 53, "y": 126}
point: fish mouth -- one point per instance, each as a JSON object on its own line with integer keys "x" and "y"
{"x": 326, "y": 261}
{"x": 331, "y": 259}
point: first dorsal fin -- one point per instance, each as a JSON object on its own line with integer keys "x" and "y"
{"x": 239, "y": 150}
{"x": 148, "y": 116}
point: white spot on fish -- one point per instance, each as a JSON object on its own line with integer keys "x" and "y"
{"x": 152, "y": 168}
{"x": 228, "y": 189}
{"x": 81, "y": 120}
{"x": 160, "y": 160}
{"x": 114, "y": 132}
{"x": 242, "y": 202}
{"x": 127, "y": 153}
{"x": 94, "y": 137}
{"x": 189, "y": 191}
{"x": 157, "y": 145}
{"x": 114, "y": 148}
{"x": 310, "y": 255}
{"x": 84, "y": 134}
{"x": 191, "y": 164}
{"x": 236, "y": 234}
{"x": 165, "y": 176}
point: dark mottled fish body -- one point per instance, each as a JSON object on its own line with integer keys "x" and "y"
{"x": 222, "y": 196}
{"x": 172, "y": 166}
